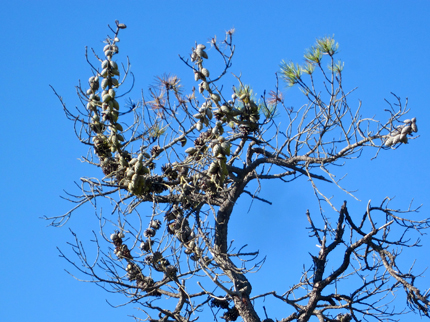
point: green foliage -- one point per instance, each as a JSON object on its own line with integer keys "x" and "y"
{"x": 245, "y": 93}
{"x": 327, "y": 45}
{"x": 308, "y": 68}
{"x": 290, "y": 73}
{"x": 270, "y": 111}
{"x": 248, "y": 95}
{"x": 313, "y": 55}
{"x": 156, "y": 131}
{"x": 337, "y": 67}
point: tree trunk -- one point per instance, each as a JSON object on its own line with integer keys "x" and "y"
{"x": 241, "y": 283}
{"x": 246, "y": 309}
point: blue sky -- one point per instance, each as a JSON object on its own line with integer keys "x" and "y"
{"x": 384, "y": 44}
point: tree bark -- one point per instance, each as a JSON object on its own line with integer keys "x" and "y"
{"x": 241, "y": 284}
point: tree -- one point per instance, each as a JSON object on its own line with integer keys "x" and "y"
{"x": 213, "y": 144}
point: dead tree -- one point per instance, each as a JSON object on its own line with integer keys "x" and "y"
{"x": 191, "y": 157}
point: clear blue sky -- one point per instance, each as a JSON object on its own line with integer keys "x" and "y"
{"x": 384, "y": 44}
